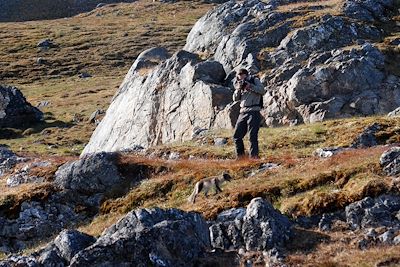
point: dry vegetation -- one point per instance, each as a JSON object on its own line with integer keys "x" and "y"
{"x": 11, "y": 198}
{"x": 302, "y": 185}
{"x": 103, "y": 43}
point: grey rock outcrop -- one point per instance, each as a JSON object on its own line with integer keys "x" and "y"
{"x": 367, "y": 138}
{"x": 367, "y": 10}
{"x": 390, "y": 161}
{"x": 374, "y": 212}
{"x": 70, "y": 242}
{"x": 15, "y": 111}
{"x": 329, "y": 91}
{"x": 8, "y": 160}
{"x": 306, "y": 82}
{"x": 164, "y": 103}
{"x": 149, "y": 237}
{"x": 258, "y": 228}
{"x": 394, "y": 113}
{"x": 36, "y": 221}
{"x": 90, "y": 175}
{"x": 311, "y": 74}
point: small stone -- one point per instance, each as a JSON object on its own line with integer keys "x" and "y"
{"x": 40, "y": 61}
{"x": 174, "y": 156}
{"x": 46, "y": 43}
{"x": 396, "y": 240}
{"x": 387, "y": 237}
{"x": 84, "y": 75}
{"x": 327, "y": 152}
{"x": 220, "y": 141}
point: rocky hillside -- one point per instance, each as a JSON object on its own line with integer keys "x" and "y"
{"x": 319, "y": 60}
{"x": 325, "y": 192}
{"x": 25, "y": 10}
{"x": 333, "y": 192}
{"x": 71, "y": 74}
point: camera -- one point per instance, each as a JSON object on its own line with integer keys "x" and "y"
{"x": 242, "y": 84}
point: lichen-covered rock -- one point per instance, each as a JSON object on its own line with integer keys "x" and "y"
{"x": 92, "y": 174}
{"x": 164, "y": 103}
{"x": 368, "y": 10}
{"x": 8, "y": 160}
{"x": 149, "y": 237}
{"x": 373, "y": 212}
{"x": 310, "y": 73}
{"x": 259, "y": 228}
{"x": 390, "y": 161}
{"x": 15, "y": 111}
{"x": 70, "y": 242}
{"x": 394, "y": 113}
{"x": 367, "y": 138}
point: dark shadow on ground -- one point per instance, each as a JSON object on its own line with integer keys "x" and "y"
{"x": 305, "y": 240}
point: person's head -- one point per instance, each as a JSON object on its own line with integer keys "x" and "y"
{"x": 242, "y": 74}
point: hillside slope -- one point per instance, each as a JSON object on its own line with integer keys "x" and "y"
{"x": 103, "y": 43}
{"x": 23, "y": 10}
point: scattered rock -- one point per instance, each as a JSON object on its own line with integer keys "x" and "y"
{"x": 149, "y": 237}
{"x": 394, "y": 113}
{"x": 46, "y": 43}
{"x": 390, "y": 161}
{"x": 41, "y": 61}
{"x": 23, "y": 177}
{"x": 220, "y": 141}
{"x": 70, "y": 242}
{"x": 387, "y": 237}
{"x": 15, "y": 111}
{"x": 174, "y": 156}
{"x": 43, "y": 104}
{"x": 260, "y": 228}
{"x": 92, "y": 174}
{"x": 327, "y": 152}
{"x": 373, "y": 212}
{"x": 328, "y": 219}
{"x": 264, "y": 167}
{"x": 28, "y": 261}
{"x": 35, "y": 222}
{"x": 367, "y": 10}
{"x": 84, "y": 75}
{"x": 367, "y": 138}
{"x": 8, "y": 160}
{"x": 94, "y": 116}
{"x": 134, "y": 149}
{"x": 396, "y": 240}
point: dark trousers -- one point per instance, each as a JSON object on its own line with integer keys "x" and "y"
{"x": 247, "y": 122}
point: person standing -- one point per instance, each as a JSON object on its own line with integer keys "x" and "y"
{"x": 249, "y": 91}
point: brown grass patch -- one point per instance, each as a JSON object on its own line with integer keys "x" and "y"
{"x": 10, "y": 204}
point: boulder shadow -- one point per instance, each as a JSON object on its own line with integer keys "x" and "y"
{"x": 305, "y": 240}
